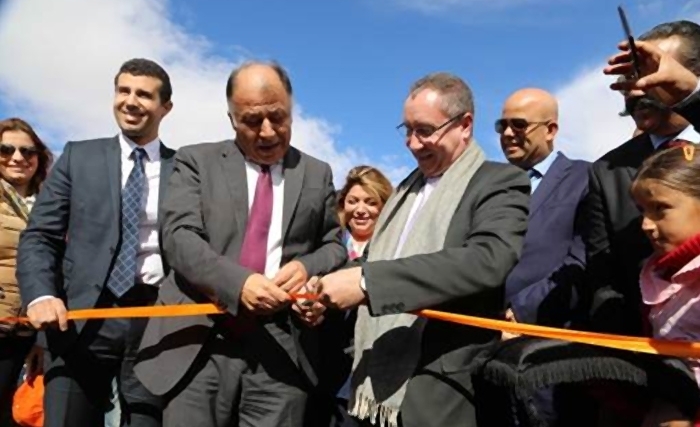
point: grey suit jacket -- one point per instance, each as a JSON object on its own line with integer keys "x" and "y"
{"x": 70, "y": 242}
{"x": 205, "y": 217}
{"x": 484, "y": 241}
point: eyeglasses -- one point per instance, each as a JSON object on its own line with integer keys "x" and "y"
{"x": 423, "y": 132}
{"x": 8, "y": 150}
{"x": 517, "y": 125}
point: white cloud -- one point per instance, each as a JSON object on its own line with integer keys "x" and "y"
{"x": 589, "y": 124}
{"x": 59, "y": 59}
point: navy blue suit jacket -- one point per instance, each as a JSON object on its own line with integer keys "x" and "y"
{"x": 541, "y": 289}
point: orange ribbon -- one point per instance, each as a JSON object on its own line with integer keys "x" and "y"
{"x": 638, "y": 344}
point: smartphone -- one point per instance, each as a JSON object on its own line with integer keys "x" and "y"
{"x": 630, "y": 39}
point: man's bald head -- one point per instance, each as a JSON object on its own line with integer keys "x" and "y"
{"x": 540, "y": 103}
{"x": 259, "y": 97}
{"x": 528, "y": 126}
{"x": 259, "y": 70}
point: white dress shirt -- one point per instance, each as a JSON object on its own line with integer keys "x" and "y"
{"x": 149, "y": 266}
{"x": 274, "y": 238}
{"x": 418, "y": 203}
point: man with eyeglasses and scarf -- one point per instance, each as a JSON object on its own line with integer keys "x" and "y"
{"x": 615, "y": 243}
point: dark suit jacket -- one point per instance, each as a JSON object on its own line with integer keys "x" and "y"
{"x": 541, "y": 288}
{"x": 205, "y": 216}
{"x": 70, "y": 242}
{"x": 483, "y": 243}
{"x": 616, "y": 247}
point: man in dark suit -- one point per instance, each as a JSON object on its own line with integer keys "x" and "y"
{"x": 446, "y": 240}
{"x": 615, "y": 244}
{"x": 540, "y": 289}
{"x": 92, "y": 241}
{"x": 246, "y": 222}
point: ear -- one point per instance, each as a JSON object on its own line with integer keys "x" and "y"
{"x": 168, "y": 106}
{"x": 467, "y": 123}
{"x": 230, "y": 119}
{"x": 552, "y": 129}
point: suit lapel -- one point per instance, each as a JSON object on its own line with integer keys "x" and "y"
{"x": 646, "y": 149}
{"x": 233, "y": 167}
{"x": 294, "y": 166}
{"x": 550, "y": 182}
{"x": 113, "y": 158}
{"x": 166, "y": 167}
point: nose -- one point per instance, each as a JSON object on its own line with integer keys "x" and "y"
{"x": 361, "y": 209}
{"x": 413, "y": 143}
{"x": 266, "y": 130}
{"x": 17, "y": 156}
{"x": 648, "y": 225}
{"x": 508, "y": 131}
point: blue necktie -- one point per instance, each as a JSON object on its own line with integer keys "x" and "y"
{"x": 532, "y": 173}
{"x": 122, "y": 277}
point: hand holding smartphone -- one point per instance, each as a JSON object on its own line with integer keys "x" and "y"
{"x": 630, "y": 40}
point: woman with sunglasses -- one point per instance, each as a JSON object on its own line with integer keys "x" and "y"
{"x": 24, "y": 164}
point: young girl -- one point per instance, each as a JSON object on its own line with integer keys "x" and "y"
{"x": 667, "y": 191}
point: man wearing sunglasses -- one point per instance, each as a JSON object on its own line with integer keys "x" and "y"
{"x": 541, "y": 287}
{"x": 527, "y": 130}
{"x": 93, "y": 241}
{"x": 615, "y": 242}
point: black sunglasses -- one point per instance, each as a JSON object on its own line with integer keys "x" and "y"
{"x": 7, "y": 150}
{"x": 518, "y": 125}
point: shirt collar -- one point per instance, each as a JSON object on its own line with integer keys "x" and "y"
{"x": 688, "y": 134}
{"x": 543, "y": 166}
{"x": 152, "y": 148}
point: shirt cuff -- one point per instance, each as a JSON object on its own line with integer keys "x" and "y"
{"x": 687, "y": 98}
{"x": 39, "y": 299}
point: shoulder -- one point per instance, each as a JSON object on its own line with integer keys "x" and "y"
{"x": 88, "y": 145}
{"x": 492, "y": 172}
{"x": 622, "y": 153}
{"x": 312, "y": 164}
{"x": 576, "y": 169}
{"x": 204, "y": 151}
{"x": 494, "y": 178}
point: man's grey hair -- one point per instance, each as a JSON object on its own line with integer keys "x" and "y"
{"x": 276, "y": 67}
{"x": 689, "y": 32}
{"x": 455, "y": 95}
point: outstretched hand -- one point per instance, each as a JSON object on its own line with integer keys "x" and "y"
{"x": 661, "y": 76}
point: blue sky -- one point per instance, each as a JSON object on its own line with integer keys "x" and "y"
{"x": 351, "y": 63}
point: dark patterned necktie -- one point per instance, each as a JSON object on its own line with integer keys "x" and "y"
{"x": 122, "y": 276}
{"x": 254, "y": 249}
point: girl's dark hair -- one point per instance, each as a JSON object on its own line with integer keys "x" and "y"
{"x": 44, "y": 154}
{"x": 676, "y": 167}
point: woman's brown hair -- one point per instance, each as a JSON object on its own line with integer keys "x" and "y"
{"x": 371, "y": 180}
{"x": 44, "y": 155}
{"x": 677, "y": 167}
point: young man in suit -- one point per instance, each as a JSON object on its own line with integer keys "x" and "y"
{"x": 246, "y": 222}
{"x": 446, "y": 240}
{"x": 93, "y": 241}
{"x": 615, "y": 243}
{"x": 540, "y": 288}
